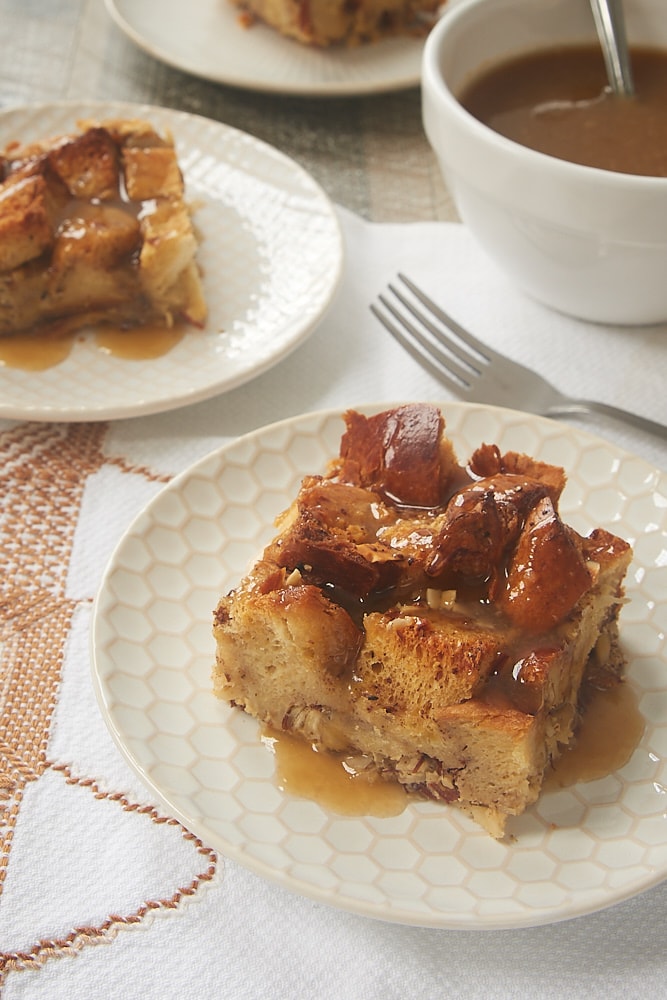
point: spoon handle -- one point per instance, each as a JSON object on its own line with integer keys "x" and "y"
{"x": 610, "y": 25}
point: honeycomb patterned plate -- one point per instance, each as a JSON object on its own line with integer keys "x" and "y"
{"x": 208, "y": 40}
{"x": 577, "y": 850}
{"x": 271, "y": 254}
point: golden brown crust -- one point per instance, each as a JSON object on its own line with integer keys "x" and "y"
{"x": 401, "y": 453}
{"x": 450, "y": 658}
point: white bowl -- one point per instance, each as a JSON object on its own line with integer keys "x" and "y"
{"x": 588, "y": 242}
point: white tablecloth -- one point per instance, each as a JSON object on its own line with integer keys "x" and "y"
{"x": 89, "y": 859}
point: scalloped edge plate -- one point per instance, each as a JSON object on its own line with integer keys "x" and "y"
{"x": 271, "y": 254}
{"x": 577, "y": 850}
{"x": 207, "y": 40}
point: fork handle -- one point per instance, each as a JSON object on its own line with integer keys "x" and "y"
{"x": 593, "y": 406}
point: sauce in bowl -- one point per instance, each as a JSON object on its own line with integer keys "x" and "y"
{"x": 557, "y": 101}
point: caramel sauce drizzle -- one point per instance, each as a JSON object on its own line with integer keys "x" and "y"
{"x": 36, "y": 352}
{"x": 141, "y": 343}
{"x": 610, "y": 731}
{"x": 331, "y": 779}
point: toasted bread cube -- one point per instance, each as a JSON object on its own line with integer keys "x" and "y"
{"x": 151, "y": 172}
{"x": 88, "y": 164}
{"x": 87, "y": 267}
{"x": 450, "y": 658}
{"x": 128, "y": 132}
{"x": 169, "y": 245}
{"x": 26, "y": 226}
{"x": 417, "y": 466}
{"x": 102, "y": 235}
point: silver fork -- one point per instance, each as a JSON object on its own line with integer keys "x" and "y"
{"x": 473, "y": 370}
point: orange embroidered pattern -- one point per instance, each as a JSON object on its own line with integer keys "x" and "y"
{"x": 43, "y": 473}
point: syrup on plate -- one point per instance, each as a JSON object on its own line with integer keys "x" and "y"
{"x": 331, "y": 779}
{"x": 36, "y": 352}
{"x": 611, "y": 729}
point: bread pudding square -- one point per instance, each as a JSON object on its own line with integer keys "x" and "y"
{"x": 339, "y": 22}
{"x": 94, "y": 228}
{"x": 436, "y": 620}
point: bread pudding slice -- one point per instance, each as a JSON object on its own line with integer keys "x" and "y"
{"x": 94, "y": 229}
{"x": 339, "y": 22}
{"x": 434, "y": 620}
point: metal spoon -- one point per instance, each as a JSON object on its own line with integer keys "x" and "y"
{"x": 610, "y": 25}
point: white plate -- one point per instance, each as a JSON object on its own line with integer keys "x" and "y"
{"x": 206, "y": 39}
{"x": 577, "y": 850}
{"x": 271, "y": 256}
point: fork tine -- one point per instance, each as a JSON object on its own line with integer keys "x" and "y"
{"x": 482, "y": 349}
{"x": 464, "y": 375}
{"x": 472, "y": 362}
{"x": 457, "y": 387}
